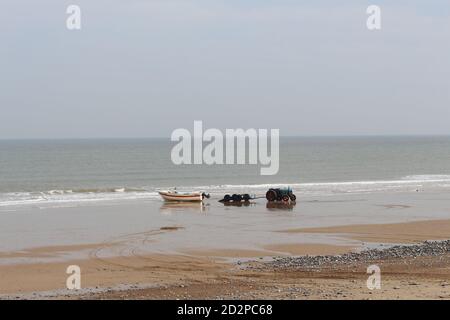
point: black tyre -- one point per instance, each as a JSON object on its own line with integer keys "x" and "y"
{"x": 271, "y": 195}
{"x": 246, "y": 197}
{"x": 285, "y": 198}
{"x": 293, "y": 197}
{"x": 227, "y": 198}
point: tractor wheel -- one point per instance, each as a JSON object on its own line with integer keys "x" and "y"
{"x": 246, "y": 197}
{"x": 227, "y": 198}
{"x": 271, "y": 195}
{"x": 293, "y": 197}
{"x": 285, "y": 198}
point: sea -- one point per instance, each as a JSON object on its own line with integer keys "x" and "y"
{"x": 84, "y": 171}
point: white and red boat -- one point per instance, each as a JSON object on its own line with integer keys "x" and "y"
{"x": 183, "y": 196}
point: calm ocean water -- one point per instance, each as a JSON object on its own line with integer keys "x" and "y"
{"x": 60, "y": 171}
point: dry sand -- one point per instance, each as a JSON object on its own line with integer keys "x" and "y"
{"x": 172, "y": 277}
{"x": 411, "y": 232}
{"x": 105, "y": 272}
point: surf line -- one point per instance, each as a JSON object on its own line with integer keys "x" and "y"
{"x": 229, "y": 148}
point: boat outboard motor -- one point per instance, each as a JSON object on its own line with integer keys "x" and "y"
{"x": 205, "y": 195}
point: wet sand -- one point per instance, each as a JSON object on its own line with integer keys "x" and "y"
{"x": 155, "y": 227}
{"x": 47, "y": 252}
{"x": 274, "y": 250}
{"x": 311, "y": 249}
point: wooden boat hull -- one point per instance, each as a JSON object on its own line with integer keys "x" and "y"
{"x": 183, "y": 197}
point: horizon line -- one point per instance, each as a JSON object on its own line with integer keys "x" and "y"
{"x": 281, "y": 136}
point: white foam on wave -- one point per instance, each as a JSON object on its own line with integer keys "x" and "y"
{"x": 70, "y": 196}
{"x": 406, "y": 184}
{"x": 428, "y": 177}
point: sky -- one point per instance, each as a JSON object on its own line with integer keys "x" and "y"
{"x": 143, "y": 68}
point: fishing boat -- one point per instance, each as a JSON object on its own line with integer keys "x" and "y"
{"x": 183, "y": 196}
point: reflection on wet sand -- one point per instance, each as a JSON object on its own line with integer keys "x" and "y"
{"x": 238, "y": 204}
{"x": 182, "y": 206}
{"x": 274, "y": 206}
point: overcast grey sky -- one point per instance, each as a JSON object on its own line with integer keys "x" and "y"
{"x": 141, "y": 68}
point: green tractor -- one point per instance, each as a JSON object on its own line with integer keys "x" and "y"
{"x": 280, "y": 194}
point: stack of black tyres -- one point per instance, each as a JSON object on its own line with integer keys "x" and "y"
{"x": 237, "y": 198}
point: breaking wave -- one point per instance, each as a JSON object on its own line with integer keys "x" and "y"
{"x": 74, "y": 196}
{"x": 404, "y": 184}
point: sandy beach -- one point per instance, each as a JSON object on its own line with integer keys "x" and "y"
{"x": 195, "y": 277}
{"x": 168, "y": 262}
